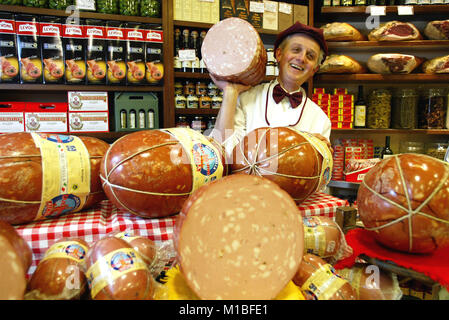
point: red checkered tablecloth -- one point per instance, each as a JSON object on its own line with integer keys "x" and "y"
{"x": 92, "y": 225}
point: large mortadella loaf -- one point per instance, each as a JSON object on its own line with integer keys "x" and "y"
{"x": 240, "y": 237}
{"x": 233, "y": 51}
{"x": 151, "y": 173}
{"x": 46, "y": 175}
{"x": 15, "y": 260}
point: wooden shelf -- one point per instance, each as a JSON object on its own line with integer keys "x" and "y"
{"x": 393, "y": 131}
{"x": 422, "y": 9}
{"x": 412, "y": 77}
{"x": 200, "y": 25}
{"x": 390, "y": 44}
{"x": 63, "y": 87}
{"x": 82, "y": 14}
{"x": 212, "y": 112}
{"x": 192, "y": 75}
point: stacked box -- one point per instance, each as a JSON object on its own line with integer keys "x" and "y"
{"x": 88, "y": 111}
{"x": 322, "y": 99}
{"x": 12, "y": 117}
{"x": 338, "y": 160}
{"x": 136, "y": 111}
{"x": 197, "y": 10}
{"x": 46, "y": 117}
{"x": 367, "y": 148}
{"x": 270, "y": 15}
{"x": 341, "y": 110}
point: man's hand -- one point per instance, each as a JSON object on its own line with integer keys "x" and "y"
{"x": 225, "y": 85}
{"x": 324, "y": 139}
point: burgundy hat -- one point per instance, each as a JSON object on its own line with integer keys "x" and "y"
{"x": 315, "y": 33}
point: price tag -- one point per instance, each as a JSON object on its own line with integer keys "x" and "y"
{"x": 405, "y": 10}
{"x": 377, "y": 10}
{"x": 85, "y": 4}
{"x": 257, "y": 7}
{"x": 208, "y": 1}
{"x": 186, "y": 55}
{"x": 271, "y": 6}
{"x": 285, "y": 8}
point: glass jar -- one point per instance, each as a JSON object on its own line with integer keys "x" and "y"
{"x": 379, "y": 109}
{"x": 432, "y": 109}
{"x": 150, "y": 8}
{"x": 180, "y": 101}
{"x": 204, "y": 102}
{"x": 59, "y": 4}
{"x": 412, "y": 147}
{"x": 212, "y": 89}
{"x": 437, "y": 149}
{"x": 189, "y": 88}
{"x": 200, "y": 88}
{"x": 36, "y": 3}
{"x": 404, "y": 110}
{"x": 108, "y": 6}
{"x": 192, "y": 101}
{"x": 181, "y": 122}
{"x": 216, "y": 102}
{"x": 198, "y": 124}
{"x": 129, "y": 7}
{"x": 178, "y": 88}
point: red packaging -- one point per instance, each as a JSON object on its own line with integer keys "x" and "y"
{"x": 46, "y": 117}
{"x": 12, "y": 117}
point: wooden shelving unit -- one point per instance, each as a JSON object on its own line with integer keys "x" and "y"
{"x": 423, "y": 9}
{"x": 369, "y": 77}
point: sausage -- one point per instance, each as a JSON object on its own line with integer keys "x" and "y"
{"x": 231, "y": 51}
{"x": 22, "y": 177}
{"x": 144, "y": 246}
{"x": 59, "y": 276}
{"x": 150, "y": 173}
{"x": 404, "y": 181}
{"x": 318, "y": 280}
{"x": 294, "y": 160}
{"x": 115, "y": 271}
{"x": 372, "y": 283}
{"x": 322, "y": 236}
{"x": 240, "y": 237}
{"x": 15, "y": 260}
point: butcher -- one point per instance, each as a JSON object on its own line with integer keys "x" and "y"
{"x": 299, "y": 50}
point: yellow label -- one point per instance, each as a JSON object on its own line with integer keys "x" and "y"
{"x": 354, "y": 277}
{"x": 314, "y": 237}
{"x": 204, "y": 157}
{"x": 323, "y": 283}
{"x": 68, "y": 250}
{"x": 125, "y": 236}
{"x": 65, "y": 174}
{"x": 322, "y": 148}
{"x": 111, "y": 267}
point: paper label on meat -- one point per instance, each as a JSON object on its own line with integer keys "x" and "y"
{"x": 68, "y": 250}
{"x": 113, "y": 265}
{"x": 314, "y": 237}
{"x": 65, "y": 174}
{"x": 204, "y": 157}
{"x": 323, "y": 283}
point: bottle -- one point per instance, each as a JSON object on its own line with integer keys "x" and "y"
{"x": 132, "y": 119}
{"x": 203, "y": 68}
{"x": 360, "y": 110}
{"x": 177, "y": 63}
{"x": 122, "y": 119}
{"x": 386, "y": 151}
{"x": 151, "y": 119}
{"x": 194, "y": 45}
{"x": 141, "y": 119}
{"x": 186, "y": 66}
{"x": 360, "y": 2}
{"x": 346, "y": 3}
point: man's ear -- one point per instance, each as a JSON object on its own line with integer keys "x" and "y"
{"x": 277, "y": 54}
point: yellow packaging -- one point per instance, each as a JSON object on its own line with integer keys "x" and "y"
{"x": 67, "y": 249}
{"x": 323, "y": 283}
{"x": 65, "y": 174}
{"x": 314, "y": 237}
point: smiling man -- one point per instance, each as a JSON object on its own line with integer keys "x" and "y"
{"x": 282, "y": 102}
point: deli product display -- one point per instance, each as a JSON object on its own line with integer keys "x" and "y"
{"x": 144, "y": 205}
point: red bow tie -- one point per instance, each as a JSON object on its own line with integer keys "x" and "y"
{"x": 279, "y": 94}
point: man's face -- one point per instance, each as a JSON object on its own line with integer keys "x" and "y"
{"x": 298, "y": 60}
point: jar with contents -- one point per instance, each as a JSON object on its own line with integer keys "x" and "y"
{"x": 59, "y": 4}
{"x": 181, "y": 122}
{"x": 178, "y": 88}
{"x": 198, "y": 124}
{"x": 216, "y": 102}
{"x": 379, "y": 109}
{"x": 204, "y": 102}
{"x": 212, "y": 89}
{"x": 129, "y": 7}
{"x": 432, "y": 109}
{"x": 200, "y": 88}
{"x": 211, "y": 123}
{"x": 192, "y": 101}
{"x": 180, "y": 101}
{"x": 150, "y": 8}
{"x": 36, "y": 3}
{"x": 189, "y": 88}
{"x": 437, "y": 149}
{"x": 412, "y": 147}
{"x": 404, "y": 112}
{"x": 107, "y": 6}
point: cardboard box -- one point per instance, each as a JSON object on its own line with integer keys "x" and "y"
{"x": 285, "y": 16}
{"x": 81, "y": 101}
{"x": 255, "y": 17}
{"x": 46, "y": 117}
{"x": 356, "y": 176}
{"x": 270, "y": 15}
{"x": 136, "y": 111}
{"x": 12, "y": 117}
{"x": 88, "y": 121}
{"x": 301, "y": 13}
